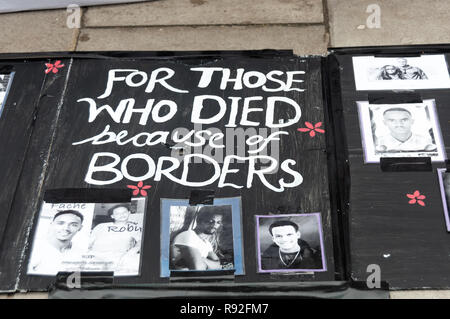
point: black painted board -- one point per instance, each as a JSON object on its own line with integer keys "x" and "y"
{"x": 409, "y": 242}
{"x": 301, "y": 290}
{"x": 67, "y": 165}
{"x": 46, "y": 102}
{"x": 337, "y": 166}
{"x": 16, "y": 122}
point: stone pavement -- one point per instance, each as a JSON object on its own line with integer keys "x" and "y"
{"x": 173, "y": 25}
{"x": 401, "y": 22}
{"x": 306, "y": 26}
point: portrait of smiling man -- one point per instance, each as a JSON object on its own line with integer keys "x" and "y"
{"x": 288, "y": 250}
{"x": 57, "y": 248}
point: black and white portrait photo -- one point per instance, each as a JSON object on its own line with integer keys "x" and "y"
{"x": 444, "y": 183}
{"x": 115, "y": 239}
{"x": 88, "y": 237}
{"x": 400, "y": 130}
{"x": 382, "y": 73}
{"x": 290, "y": 243}
{"x": 204, "y": 239}
{"x": 61, "y": 238}
{"x": 200, "y": 238}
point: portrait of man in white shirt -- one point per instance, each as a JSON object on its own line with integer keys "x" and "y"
{"x": 55, "y": 249}
{"x": 400, "y": 130}
{"x": 399, "y": 121}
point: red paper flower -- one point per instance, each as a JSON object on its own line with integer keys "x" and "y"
{"x": 140, "y": 188}
{"x": 416, "y": 197}
{"x": 53, "y": 67}
{"x": 312, "y": 129}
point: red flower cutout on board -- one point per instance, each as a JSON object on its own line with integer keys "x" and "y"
{"x": 312, "y": 129}
{"x": 53, "y": 67}
{"x": 416, "y": 197}
{"x": 140, "y": 188}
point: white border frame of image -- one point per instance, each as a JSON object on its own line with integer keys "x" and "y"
{"x": 440, "y": 172}
{"x": 361, "y": 84}
{"x": 2, "y": 105}
{"x": 164, "y": 235}
{"x": 372, "y": 158}
{"x": 36, "y": 225}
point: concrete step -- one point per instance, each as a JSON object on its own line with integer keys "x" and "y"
{"x": 205, "y": 12}
{"x": 36, "y": 31}
{"x": 302, "y": 39}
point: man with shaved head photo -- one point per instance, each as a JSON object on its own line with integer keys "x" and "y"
{"x": 399, "y": 122}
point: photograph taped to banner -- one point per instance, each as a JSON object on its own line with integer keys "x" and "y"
{"x": 407, "y": 73}
{"x": 5, "y": 84}
{"x": 203, "y": 238}
{"x": 88, "y": 237}
{"x": 400, "y": 130}
{"x": 444, "y": 184}
{"x": 290, "y": 243}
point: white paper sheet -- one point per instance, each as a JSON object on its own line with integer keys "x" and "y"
{"x": 379, "y": 140}
{"x": 425, "y": 72}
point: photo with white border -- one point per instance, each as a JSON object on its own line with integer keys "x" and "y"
{"x": 397, "y": 73}
{"x": 400, "y": 130}
{"x": 88, "y": 237}
{"x": 444, "y": 183}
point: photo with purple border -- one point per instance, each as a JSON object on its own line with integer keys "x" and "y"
{"x": 426, "y": 124}
{"x": 444, "y": 184}
{"x": 310, "y": 240}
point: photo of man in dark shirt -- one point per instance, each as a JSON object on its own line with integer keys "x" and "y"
{"x": 288, "y": 250}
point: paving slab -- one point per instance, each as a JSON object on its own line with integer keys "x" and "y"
{"x": 402, "y": 22}
{"x": 36, "y": 31}
{"x": 421, "y": 294}
{"x": 206, "y": 12}
{"x": 304, "y": 40}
